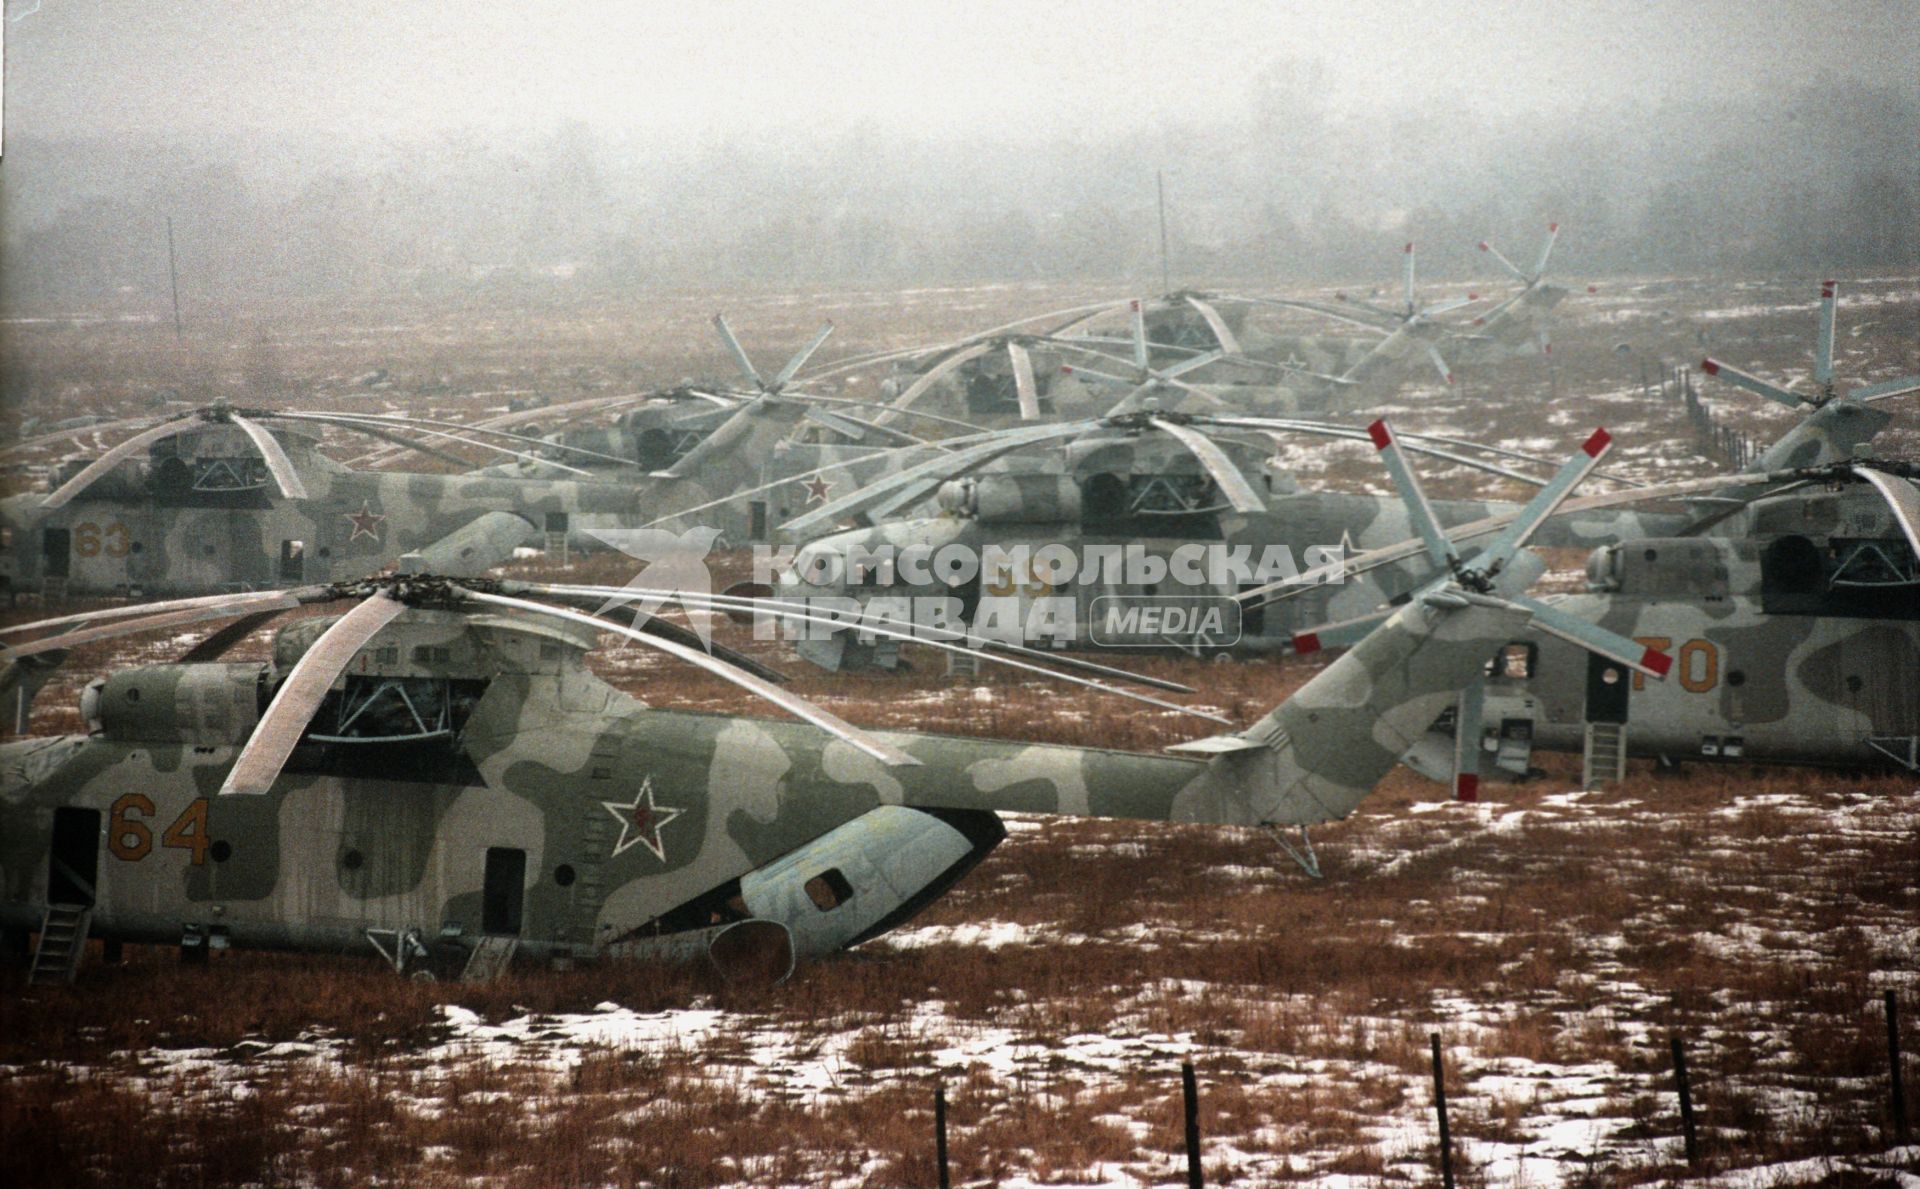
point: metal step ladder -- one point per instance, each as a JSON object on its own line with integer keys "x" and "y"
{"x": 556, "y": 546}
{"x": 53, "y": 588}
{"x": 963, "y": 664}
{"x": 490, "y": 959}
{"x": 63, "y": 936}
{"x": 1604, "y": 760}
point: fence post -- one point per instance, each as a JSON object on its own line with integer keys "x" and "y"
{"x": 1440, "y": 1108}
{"x": 1686, "y": 1101}
{"x": 940, "y": 1134}
{"x": 1191, "y": 1093}
{"x": 1893, "y": 1063}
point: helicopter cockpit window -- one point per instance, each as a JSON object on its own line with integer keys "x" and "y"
{"x": 1863, "y": 578}
{"x": 394, "y": 710}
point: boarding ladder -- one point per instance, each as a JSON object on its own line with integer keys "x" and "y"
{"x": 556, "y": 545}
{"x": 1604, "y": 759}
{"x": 489, "y": 959}
{"x": 63, "y": 935}
{"x": 53, "y": 588}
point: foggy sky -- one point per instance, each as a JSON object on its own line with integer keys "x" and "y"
{"x": 383, "y": 71}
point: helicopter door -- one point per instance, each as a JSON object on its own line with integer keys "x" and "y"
{"x": 73, "y": 858}
{"x": 757, "y": 520}
{"x": 293, "y": 560}
{"x": 1607, "y": 687}
{"x": 501, "y": 893}
{"x": 56, "y": 548}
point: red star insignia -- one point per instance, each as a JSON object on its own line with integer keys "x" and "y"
{"x": 817, "y": 489}
{"x": 366, "y": 522}
{"x": 641, "y": 821}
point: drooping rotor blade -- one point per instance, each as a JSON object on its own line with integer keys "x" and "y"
{"x": 1449, "y": 305}
{"x": 301, "y": 693}
{"x": 237, "y": 605}
{"x": 1278, "y": 431}
{"x": 1545, "y": 502}
{"x": 1505, "y": 263}
{"x": 739, "y": 352}
{"x": 405, "y": 445}
{"x": 1439, "y": 363}
{"x": 1222, "y": 333}
{"x": 1407, "y": 483}
{"x": 800, "y": 358}
{"x": 369, "y": 426}
{"x": 75, "y": 433}
{"x": 793, "y": 704}
{"x": 285, "y": 477}
{"x": 216, "y": 645}
{"x": 1074, "y": 369}
{"x": 944, "y": 639}
{"x": 880, "y": 407}
{"x": 1546, "y": 251}
{"x": 1176, "y": 370}
{"x": 1886, "y": 388}
{"x": 1591, "y": 636}
{"x": 122, "y": 611}
{"x": 94, "y": 470}
{"x": 1751, "y": 383}
{"x": 426, "y": 425}
{"x": 1467, "y": 715}
{"x": 1383, "y": 321}
{"x": 1902, "y": 500}
{"x": 943, "y": 466}
{"x": 1393, "y": 316}
{"x": 932, "y": 375}
{"x": 1024, "y": 385}
{"x": 1233, "y": 484}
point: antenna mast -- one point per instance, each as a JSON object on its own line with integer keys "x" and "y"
{"x": 173, "y": 278}
{"x": 1166, "y": 276}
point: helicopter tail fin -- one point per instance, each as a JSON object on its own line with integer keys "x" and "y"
{"x": 1320, "y": 752}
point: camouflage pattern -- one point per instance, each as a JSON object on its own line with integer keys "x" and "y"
{"x": 1796, "y": 638}
{"x": 200, "y": 515}
{"x": 513, "y": 792}
{"x": 1293, "y": 520}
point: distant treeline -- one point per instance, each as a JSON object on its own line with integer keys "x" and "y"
{"x": 1286, "y": 190}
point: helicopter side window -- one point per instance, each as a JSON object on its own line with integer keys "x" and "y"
{"x": 1851, "y": 578}
{"x": 1515, "y": 662}
{"x": 394, "y": 710}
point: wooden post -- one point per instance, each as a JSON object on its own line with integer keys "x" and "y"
{"x": 1686, "y": 1102}
{"x": 1440, "y": 1108}
{"x": 940, "y": 1134}
{"x": 1898, "y": 1091}
{"x": 1191, "y": 1093}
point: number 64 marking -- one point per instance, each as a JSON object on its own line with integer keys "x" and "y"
{"x": 130, "y": 838}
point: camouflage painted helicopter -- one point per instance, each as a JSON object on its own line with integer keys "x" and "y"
{"x": 1793, "y": 611}
{"x": 1165, "y": 518}
{"x": 225, "y": 498}
{"x": 437, "y": 776}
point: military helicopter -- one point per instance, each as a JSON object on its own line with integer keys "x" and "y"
{"x": 1165, "y": 525}
{"x": 1792, "y": 607}
{"x": 435, "y": 772}
{"x": 226, "y": 498}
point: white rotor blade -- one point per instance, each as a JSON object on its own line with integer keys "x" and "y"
{"x": 1407, "y": 483}
{"x": 1591, "y": 636}
{"x": 793, "y": 704}
{"x": 300, "y": 695}
{"x": 75, "y": 433}
{"x": 1175, "y": 371}
{"x": 932, "y": 375}
{"x": 800, "y": 360}
{"x": 1546, "y": 501}
{"x": 1439, "y": 363}
{"x": 1823, "y": 344}
{"x": 230, "y": 605}
{"x": 1467, "y": 716}
{"x": 1886, "y": 388}
{"x": 1023, "y": 382}
{"x": 1546, "y": 250}
{"x": 285, "y": 477}
{"x": 1140, "y": 355}
{"x": 112, "y": 458}
{"x": 1902, "y": 500}
{"x": 1751, "y": 383}
{"x": 1233, "y": 484}
{"x": 1222, "y": 333}
{"x": 739, "y": 352}
{"x": 1505, "y": 263}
